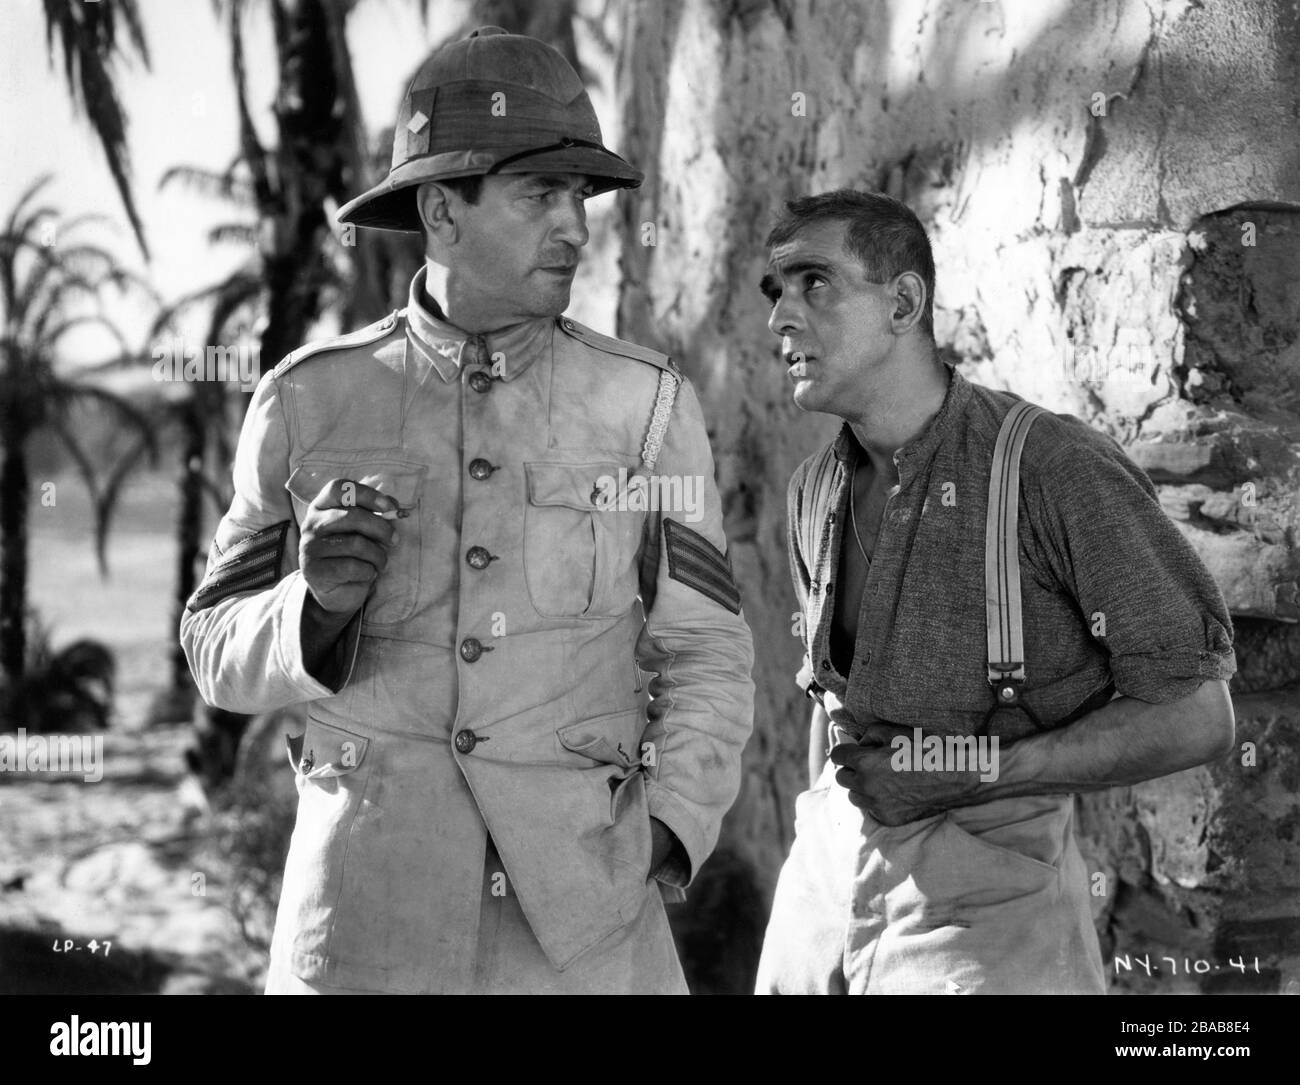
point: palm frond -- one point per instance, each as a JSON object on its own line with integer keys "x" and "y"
{"x": 234, "y": 233}
{"x": 242, "y": 283}
{"x": 28, "y": 194}
{"x": 92, "y": 319}
{"x": 210, "y": 183}
{"x": 87, "y": 37}
{"x": 106, "y": 500}
{"x": 127, "y": 410}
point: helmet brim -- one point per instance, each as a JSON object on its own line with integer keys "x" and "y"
{"x": 390, "y": 205}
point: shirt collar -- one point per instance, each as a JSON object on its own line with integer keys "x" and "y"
{"x": 921, "y": 448}
{"x": 449, "y": 348}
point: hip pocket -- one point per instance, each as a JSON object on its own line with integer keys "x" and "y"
{"x": 332, "y": 772}
{"x": 996, "y": 859}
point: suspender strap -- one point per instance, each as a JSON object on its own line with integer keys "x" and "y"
{"x": 1006, "y": 644}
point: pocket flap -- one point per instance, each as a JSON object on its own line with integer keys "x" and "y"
{"x": 400, "y": 481}
{"x": 612, "y": 740}
{"x": 323, "y": 751}
{"x": 580, "y": 486}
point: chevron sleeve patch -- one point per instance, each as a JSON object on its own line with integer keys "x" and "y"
{"x": 251, "y": 564}
{"x": 697, "y": 563}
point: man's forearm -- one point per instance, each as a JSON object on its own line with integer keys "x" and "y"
{"x": 320, "y": 631}
{"x": 817, "y": 729}
{"x": 1123, "y": 742}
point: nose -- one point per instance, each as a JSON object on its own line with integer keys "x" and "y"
{"x": 786, "y": 316}
{"x": 571, "y": 221}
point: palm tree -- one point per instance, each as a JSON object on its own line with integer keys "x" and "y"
{"x": 88, "y": 37}
{"x": 46, "y": 291}
{"x": 319, "y": 159}
{"x": 201, "y": 414}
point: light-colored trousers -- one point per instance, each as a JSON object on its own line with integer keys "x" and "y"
{"x": 638, "y": 959}
{"x": 990, "y": 899}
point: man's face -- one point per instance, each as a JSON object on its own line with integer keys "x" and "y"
{"x": 517, "y": 249}
{"x": 834, "y": 325}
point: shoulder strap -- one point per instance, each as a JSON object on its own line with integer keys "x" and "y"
{"x": 621, "y": 347}
{"x": 1006, "y": 644}
{"x": 369, "y": 334}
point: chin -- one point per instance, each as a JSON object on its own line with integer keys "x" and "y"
{"x": 550, "y": 304}
{"x": 806, "y": 397}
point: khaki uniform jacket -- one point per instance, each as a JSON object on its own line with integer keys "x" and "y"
{"x": 490, "y": 684}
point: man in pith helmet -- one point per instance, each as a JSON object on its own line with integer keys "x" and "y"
{"x": 485, "y": 544}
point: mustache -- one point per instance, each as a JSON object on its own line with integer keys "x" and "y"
{"x": 561, "y": 259}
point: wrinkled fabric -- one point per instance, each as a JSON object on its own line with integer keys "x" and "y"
{"x": 503, "y": 676}
{"x": 989, "y": 899}
{"x": 1111, "y": 591}
{"x": 992, "y": 897}
{"x": 639, "y": 959}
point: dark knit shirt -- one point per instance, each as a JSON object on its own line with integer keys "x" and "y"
{"x": 1114, "y": 598}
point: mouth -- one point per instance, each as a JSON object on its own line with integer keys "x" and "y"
{"x": 797, "y": 363}
{"x": 560, "y": 269}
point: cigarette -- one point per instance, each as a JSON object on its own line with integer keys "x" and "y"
{"x": 394, "y": 514}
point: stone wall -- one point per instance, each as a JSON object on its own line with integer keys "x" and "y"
{"x": 1112, "y": 192}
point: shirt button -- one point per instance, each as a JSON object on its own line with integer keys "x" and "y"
{"x": 465, "y": 741}
{"x": 478, "y": 557}
{"x": 470, "y": 649}
{"x": 480, "y": 469}
{"x": 480, "y": 381}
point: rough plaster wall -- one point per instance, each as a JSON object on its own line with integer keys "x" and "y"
{"x": 1086, "y": 171}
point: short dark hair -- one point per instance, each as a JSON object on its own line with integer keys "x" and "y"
{"x": 883, "y": 235}
{"x": 467, "y": 188}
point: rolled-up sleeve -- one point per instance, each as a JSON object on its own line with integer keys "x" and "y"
{"x": 1142, "y": 590}
{"x": 799, "y": 575}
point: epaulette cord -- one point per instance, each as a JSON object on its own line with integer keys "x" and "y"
{"x": 654, "y": 438}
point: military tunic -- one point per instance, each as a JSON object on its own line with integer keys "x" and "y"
{"x": 544, "y": 658}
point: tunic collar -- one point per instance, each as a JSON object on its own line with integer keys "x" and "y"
{"x": 449, "y": 349}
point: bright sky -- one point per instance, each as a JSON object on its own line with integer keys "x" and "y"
{"x": 182, "y": 111}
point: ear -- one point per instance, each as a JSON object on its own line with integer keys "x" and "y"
{"x": 436, "y": 213}
{"x": 909, "y": 297}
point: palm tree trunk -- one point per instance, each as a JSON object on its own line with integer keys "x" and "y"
{"x": 189, "y": 527}
{"x": 13, "y": 557}
{"x": 310, "y": 164}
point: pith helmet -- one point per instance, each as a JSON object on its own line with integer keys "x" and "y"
{"x": 493, "y": 102}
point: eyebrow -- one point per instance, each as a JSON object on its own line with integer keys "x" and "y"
{"x": 550, "y": 181}
{"x": 796, "y": 267}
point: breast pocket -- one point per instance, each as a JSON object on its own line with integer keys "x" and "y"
{"x": 396, "y": 593}
{"x": 580, "y": 540}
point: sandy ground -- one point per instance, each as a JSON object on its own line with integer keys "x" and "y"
{"x": 131, "y": 859}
